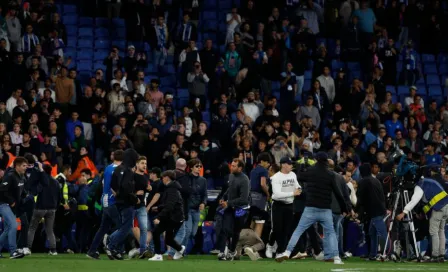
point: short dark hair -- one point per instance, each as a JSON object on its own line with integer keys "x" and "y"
{"x": 29, "y": 158}
{"x": 86, "y": 171}
{"x": 193, "y": 162}
{"x": 264, "y": 156}
{"x": 65, "y": 167}
{"x": 118, "y": 155}
{"x": 141, "y": 158}
{"x": 169, "y": 173}
{"x": 239, "y": 162}
{"x": 47, "y": 169}
{"x": 19, "y": 161}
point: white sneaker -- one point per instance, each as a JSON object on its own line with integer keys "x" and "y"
{"x": 269, "y": 251}
{"x": 26, "y": 251}
{"x": 250, "y": 252}
{"x": 319, "y": 257}
{"x": 133, "y": 253}
{"x": 300, "y": 256}
{"x": 156, "y": 258}
{"x": 282, "y": 256}
{"x": 337, "y": 260}
{"x": 53, "y": 253}
{"x": 179, "y": 254}
{"x": 348, "y": 254}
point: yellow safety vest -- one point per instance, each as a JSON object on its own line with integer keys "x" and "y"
{"x": 434, "y": 201}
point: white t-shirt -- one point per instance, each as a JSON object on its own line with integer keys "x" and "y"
{"x": 283, "y": 187}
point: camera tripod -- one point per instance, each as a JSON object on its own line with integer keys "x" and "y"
{"x": 402, "y": 195}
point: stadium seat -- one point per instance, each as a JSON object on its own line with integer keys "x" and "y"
{"x": 336, "y": 65}
{"x": 169, "y": 59}
{"x": 85, "y": 54}
{"x": 308, "y": 74}
{"x": 277, "y": 95}
{"x": 321, "y": 41}
{"x": 83, "y": 43}
{"x": 118, "y": 22}
{"x": 170, "y": 69}
{"x": 211, "y": 5}
{"x": 72, "y": 30}
{"x": 209, "y": 15}
{"x": 70, "y": 20}
{"x": 443, "y": 69}
{"x": 354, "y": 74}
{"x": 121, "y": 44}
{"x": 421, "y": 89}
{"x": 428, "y": 58}
{"x": 353, "y": 66}
{"x": 442, "y": 58}
{"x": 72, "y": 41}
{"x": 85, "y": 32}
{"x": 102, "y": 22}
{"x": 275, "y": 85}
{"x": 182, "y": 93}
{"x": 224, "y": 4}
{"x": 211, "y": 25}
{"x": 434, "y": 90}
{"x": 306, "y": 85}
{"x": 84, "y": 76}
{"x": 84, "y": 65}
{"x": 211, "y": 36}
{"x": 430, "y": 68}
{"x": 99, "y": 65}
{"x": 102, "y": 44}
{"x": 168, "y": 81}
{"x": 85, "y": 22}
{"x": 391, "y": 88}
{"x": 69, "y": 9}
{"x": 101, "y": 32}
{"x": 206, "y": 116}
{"x": 432, "y": 79}
{"x": 100, "y": 55}
{"x": 119, "y": 33}
{"x": 70, "y": 52}
{"x": 402, "y": 90}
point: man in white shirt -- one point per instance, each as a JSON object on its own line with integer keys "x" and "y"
{"x": 410, "y": 99}
{"x": 285, "y": 187}
{"x": 11, "y": 103}
{"x": 250, "y": 108}
{"x": 327, "y": 82}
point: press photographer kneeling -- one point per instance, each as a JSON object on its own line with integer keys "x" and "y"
{"x": 432, "y": 192}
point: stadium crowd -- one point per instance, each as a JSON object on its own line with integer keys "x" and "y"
{"x": 132, "y": 122}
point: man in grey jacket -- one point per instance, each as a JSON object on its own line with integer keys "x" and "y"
{"x": 197, "y": 83}
{"x": 235, "y": 210}
{"x": 14, "y": 29}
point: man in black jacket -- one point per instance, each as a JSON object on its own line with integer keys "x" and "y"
{"x": 11, "y": 188}
{"x": 235, "y": 209}
{"x": 123, "y": 185}
{"x": 320, "y": 184}
{"x": 170, "y": 217}
{"x": 47, "y": 202}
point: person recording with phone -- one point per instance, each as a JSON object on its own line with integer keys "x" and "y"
{"x": 197, "y": 84}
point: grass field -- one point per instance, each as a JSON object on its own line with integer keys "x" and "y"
{"x": 68, "y": 263}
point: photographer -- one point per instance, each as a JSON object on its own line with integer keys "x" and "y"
{"x": 197, "y": 80}
{"x": 435, "y": 198}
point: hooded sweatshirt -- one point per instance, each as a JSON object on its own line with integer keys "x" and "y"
{"x": 171, "y": 207}
{"x": 123, "y": 180}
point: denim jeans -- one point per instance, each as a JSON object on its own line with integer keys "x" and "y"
{"x": 159, "y": 59}
{"x": 337, "y": 222}
{"x": 191, "y": 226}
{"x": 377, "y": 229}
{"x": 110, "y": 217}
{"x": 300, "y": 82}
{"x": 9, "y": 228}
{"x": 119, "y": 236}
{"x": 179, "y": 238}
{"x": 310, "y": 216}
{"x": 142, "y": 218}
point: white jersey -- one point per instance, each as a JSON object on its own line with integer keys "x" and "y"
{"x": 283, "y": 187}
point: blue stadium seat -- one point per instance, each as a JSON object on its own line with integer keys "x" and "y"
{"x": 211, "y": 25}
{"x": 224, "y": 4}
{"x": 310, "y": 64}
{"x": 206, "y": 116}
{"x": 399, "y": 66}
{"x": 421, "y": 89}
{"x": 442, "y": 58}
{"x": 209, "y": 15}
{"x": 102, "y": 22}
{"x": 119, "y": 33}
{"x": 353, "y": 66}
{"x": 321, "y": 41}
{"x": 210, "y": 5}
{"x": 211, "y": 36}
{"x": 428, "y": 58}
{"x": 391, "y": 88}
{"x": 102, "y": 44}
{"x": 84, "y": 43}
{"x": 101, "y": 32}
{"x": 84, "y": 65}
{"x": 354, "y": 74}
{"x": 72, "y": 30}
{"x": 277, "y": 95}
{"x": 308, "y": 74}
{"x": 430, "y": 68}
{"x": 70, "y": 52}
{"x": 402, "y": 90}
{"x": 85, "y": 32}
{"x": 121, "y": 44}
{"x": 434, "y": 90}
{"x": 306, "y": 85}
{"x": 170, "y": 69}
{"x": 169, "y": 59}
{"x": 336, "y": 65}
{"x": 432, "y": 79}
{"x": 183, "y": 93}
{"x": 100, "y": 55}
{"x": 84, "y": 76}
{"x": 69, "y": 9}
{"x": 183, "y": 102}
{"x": 168, "y": 81}
{"x": 85, "y": 54}
{"x": 85, "y": 22}
{"x": 275, "y": 85}
{"x": 118, "y": 22}
{"x": 443, "y": 69}
{"x": 420, "y": 81}
{"x": 99, "y": 65}
{"x": 72, "y": 41}
{"x": 70, "y": 20}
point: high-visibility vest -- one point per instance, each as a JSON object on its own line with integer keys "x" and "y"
{"x": 54, "y": 169}
{"x": 11, "y": 159}
{"x": 82, "y": 164}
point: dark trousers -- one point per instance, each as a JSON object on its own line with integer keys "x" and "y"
{"x": 23, "y": 234}
{"x": 231, "y": 228}
{"x": 170, "y": 228}
{"x": 281, "y": 215}
{"x": 83, "y": 229}
{"x": 63, "y": 227}
{"x": 109, "y": 219}
{"x": 311, "y": 234}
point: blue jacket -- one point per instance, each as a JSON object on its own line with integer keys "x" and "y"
{"x": 108, "y": 199}
{"x": 198, "y": 192}
{"x": 80, "y": 192}
{"x": 70, "y": 129}
{"x": 431, "y": 189}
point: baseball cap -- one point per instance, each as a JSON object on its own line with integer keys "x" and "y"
{"x": 413, "y": 88}
{"x": 131, "y": 47}
{"x": 321, "y": 156}
{"x": 286, "y": 160}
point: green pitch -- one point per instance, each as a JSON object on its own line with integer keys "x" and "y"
{"x": 69, "y": 263}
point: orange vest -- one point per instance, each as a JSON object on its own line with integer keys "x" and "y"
{"x": 84, "y": 163}
{"x": 11, "y": 159}
{"x": 54, "y": 169}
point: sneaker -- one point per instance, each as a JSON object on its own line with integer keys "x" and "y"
{"x": 156, "y": 258}
{"x": 282, "y": 256}
{"x": 179, "y": 254}
{"x": 441, "y": 259}
{"x": 253, "y": 256}
{"x": 69, "y": 251}
{"x": 133, "y": 253}
{"x": 319, "y": 257}
{"x": 348, "y": 254}
{"x": 222, "y": 256}
{"x": 53, "y": 252}
{"x": 337, "y": 260}
{"x": 269, "y": 251}
{"x": 300, "y": 256}
{"x": 117, "y": 255}
{"x": 105, "y": 240}
{"x": 26, "y": 251}
{"x": 109, "y": 253}
{"x": 230, "y": 256}
{"x": 376, "y": 258}
{"x": 94, "y": 256}
{"x": 214, "y": 252}
{"x": 143, "y": 255}
{"x": 1, "y": 256}
{"x": 17, "y": 255}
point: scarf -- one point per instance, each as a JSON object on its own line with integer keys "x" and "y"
{"x": 29, "y": 42}
{"x": 184, "y": 32}
{"x": 161, "y": 36}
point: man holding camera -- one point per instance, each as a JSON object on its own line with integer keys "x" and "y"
{"x": 433, "y": 194}
{"x": 197, "y": 83}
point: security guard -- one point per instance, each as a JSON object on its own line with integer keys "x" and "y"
{"x": 433, "y": 194}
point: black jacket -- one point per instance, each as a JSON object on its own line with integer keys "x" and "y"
{"x": 336, "y": 209}
{"x": 371, "y": 199}
{"x": 49, "y": 196}
{"x": 320, "y": 183}
{"x": 172, "y": 204}
{"x": 11, "y": 188}
{"x": 123, "y": 180}
{"x": 185, "y": 189}
{"x": 237, "y": 194}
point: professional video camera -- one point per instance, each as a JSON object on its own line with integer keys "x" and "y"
{"x": 407, "y": 173}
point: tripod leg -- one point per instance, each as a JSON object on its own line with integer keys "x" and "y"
{"x": 411, "y": 226}
{"x": 394, "y": 211}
